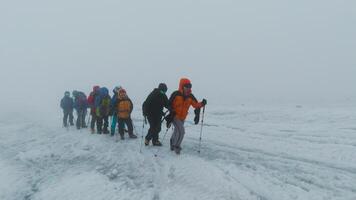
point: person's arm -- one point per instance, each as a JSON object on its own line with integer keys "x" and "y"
{"x": 166, "y": 103}
{"x": 195, "y": 103}
{"x": 131, "y": 107}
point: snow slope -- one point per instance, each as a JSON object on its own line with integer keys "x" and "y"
{"x": 262, "y": 153}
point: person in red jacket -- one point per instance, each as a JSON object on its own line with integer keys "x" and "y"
{"x": 180, "y": 101}
{"x": 91, "y": 101}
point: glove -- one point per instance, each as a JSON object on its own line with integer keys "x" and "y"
{"x": 204, "y": 102}
{"x": 197, "y": 116}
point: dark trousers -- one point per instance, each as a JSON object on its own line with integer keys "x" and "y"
{"x": 67, "y": 113}
{"x": 128, "y": 123}
{"x": 155, "y": 128}
{"x": 102, "y": 124}
{"x": 81, "y": 119}
{"x": 93, "y": 120}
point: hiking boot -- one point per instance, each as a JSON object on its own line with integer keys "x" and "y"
{"x": 147, "y": 142}
{"x": 112, "y": 132}
{"x": 122, "y": 136}
{"x": 177, "y": 150}
{"x": 106, "y": 132}
{"x": 157, "y": 143}
{"x": 133, "y": 136}
{"x": 84, "y": 126}
{"x": 100, "y": 132}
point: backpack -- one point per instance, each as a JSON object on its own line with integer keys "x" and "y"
{"x": 81, "y": 101}
{"x": 124, "y": 108}
{"x": 103, "y": 102}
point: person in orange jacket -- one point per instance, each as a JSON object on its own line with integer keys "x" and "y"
{"x": 124, "y": 108}
{"x": 180, "y": 101}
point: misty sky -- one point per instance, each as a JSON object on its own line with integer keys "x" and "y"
{"x": 233, "y": 51}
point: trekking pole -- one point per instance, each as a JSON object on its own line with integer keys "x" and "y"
{"x": 201, "y": 129}
{"x": 164, "y": 136}
{"x": 143, "y": 127}
{"x": 164, "y": 116}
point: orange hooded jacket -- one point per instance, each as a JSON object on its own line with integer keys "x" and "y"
{"x": 181, "y": 103}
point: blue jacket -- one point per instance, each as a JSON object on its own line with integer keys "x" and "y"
{"x": 67, "y": 103}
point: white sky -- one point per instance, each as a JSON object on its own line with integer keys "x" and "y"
{"x": 233, "y": 51}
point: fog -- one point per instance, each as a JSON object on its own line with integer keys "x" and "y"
{"x": 234, "y": 52}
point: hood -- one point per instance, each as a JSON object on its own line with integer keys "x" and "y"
{"x": 182, "y": 82}
{"x": 122, "y": 94}
{"x": 96, "y": 88}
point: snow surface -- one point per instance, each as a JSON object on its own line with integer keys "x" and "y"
{"x": 248, "y": 152}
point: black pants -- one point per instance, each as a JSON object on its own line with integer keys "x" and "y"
{"x": 81, "y": 119}
{"x": 102, "y": 124}
{"x": 93, "y": 120}
{"x": 155, "y": 128}
{"x": 128, "y": 123}
{"x": 67, "y": 113}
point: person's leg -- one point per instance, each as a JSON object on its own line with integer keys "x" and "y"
{"x": 121, "y": 127}
{"x": 77, "y": 123}
{"x": 178, "y": 135}
{"x": 182, "y": 133}
{"x": 99, "y": 125}
{"x": 71, "y": 118}
{"x": 157, "y": 128}
{"x": 150, "y": 130}
{"x": 93, "y": 119}
{"x": 65, "y": 118}
{"x": 130, "y": 128}
{"x": 106, "y": 124}
{"x": 84, "y": 114}
{"x": 113, "y": 124}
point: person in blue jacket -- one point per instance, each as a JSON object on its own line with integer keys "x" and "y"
{"x": 113, "y": 110}
{"x": 81, "y": 106}
{"x": 67, "y": 105}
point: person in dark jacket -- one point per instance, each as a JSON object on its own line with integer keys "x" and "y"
{"x": 153, "y": 110}
{"x": 67, "y": 106}
{"x": 81, "y": 106}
